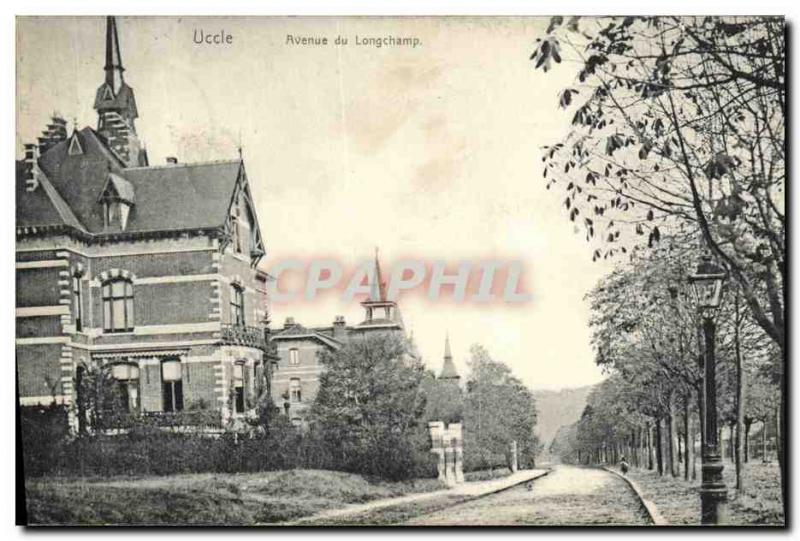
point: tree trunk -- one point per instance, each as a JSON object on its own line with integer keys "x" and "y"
{"x": 642, "y": 448}
{"x": 671, "y": 436}
{"x": 764, "y": 440}
{"x": 649, "y": 447}
{"x": 747, "y": 425}
{"x": 739, "y": 400}
{"x": 659, "y": 449}
{"x": 779, "y": 425}
{"x": 688, "y": 437}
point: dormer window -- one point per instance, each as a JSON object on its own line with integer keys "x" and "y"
{"x": 117, "y": 198}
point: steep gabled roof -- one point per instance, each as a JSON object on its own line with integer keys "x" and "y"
{"x": 43, "y": 206}
{"x": 170, "y": 197}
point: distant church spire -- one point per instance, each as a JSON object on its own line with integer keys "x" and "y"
{"x": 378, "y": 307}
{"x": 378, "y": 286}
{"x": 448, "y": 368}
{"x": 116, "y": 105}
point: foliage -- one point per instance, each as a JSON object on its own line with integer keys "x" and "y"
{"x": 645, "y": 333}
{"x": 369, "y": 408}
{"x": 444, "y": 400}
{"x": 42, "y": 428}
{"x": 498, "y": 409}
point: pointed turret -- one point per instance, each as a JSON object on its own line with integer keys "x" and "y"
{"x": 378, "y": 286}
{"x": 116, "y": 105}
{"x": 448, "y": 368}
{"x": 380, "y": 310}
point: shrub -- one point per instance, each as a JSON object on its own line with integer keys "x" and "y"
{"x": 43, "y": 430}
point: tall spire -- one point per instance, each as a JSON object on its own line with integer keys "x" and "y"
{"x": 113, "y": 67}
{"x": 378, "y": 286}
{"x": 116, "y": 106}
{"x": 380, "y": 310}
{"x": 449, "y": 371}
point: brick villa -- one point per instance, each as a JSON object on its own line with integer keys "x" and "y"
{"x": 149, "y": 273}
{"x": 297, "y": 374}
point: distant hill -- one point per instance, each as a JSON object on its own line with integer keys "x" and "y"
{"x": 558, "y": 408}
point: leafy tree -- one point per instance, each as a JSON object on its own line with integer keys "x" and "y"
{"x": 678, "y": 131}
{"x": 444, "y": 400}
{"x": 369, "y": 408}
{"x": 498, "y": 409}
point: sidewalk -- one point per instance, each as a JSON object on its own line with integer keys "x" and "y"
{"x": 467, "y": 491}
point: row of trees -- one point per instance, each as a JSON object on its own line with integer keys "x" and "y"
{"x": 646, "y": 335}
{"x": 677, "y": 146}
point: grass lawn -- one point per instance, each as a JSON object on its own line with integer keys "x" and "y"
{"x": 679, "y": 501}
{"x": 205, "y": 499}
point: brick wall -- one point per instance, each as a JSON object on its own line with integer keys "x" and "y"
{"x": 28, "y": 327}
{"x": 307, "y": 371}
{"x": 39, "y": 369}
{"x": 199, "y": 380}
{"x": 163, "y": 304}
{"x": 146, "y": 265}
{"x": 38, "y": 287}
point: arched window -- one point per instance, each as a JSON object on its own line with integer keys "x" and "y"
{"x": 118, "y": 305}
{"x": 127, "y": 377}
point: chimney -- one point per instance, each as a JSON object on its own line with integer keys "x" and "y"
{"x": 31, "y": 159}
{"x": 339, "y": 328}
{"x": 172, "y": 160}
{"x": 289, "y": 323}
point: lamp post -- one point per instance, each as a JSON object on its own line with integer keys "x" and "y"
{"x": 707, "y": 284}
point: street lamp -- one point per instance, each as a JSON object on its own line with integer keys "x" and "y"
{"x": 707, "y": 282}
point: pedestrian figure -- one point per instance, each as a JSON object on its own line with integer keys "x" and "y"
{"x": 529, "y": 485}
{"x": 623, "y": 465}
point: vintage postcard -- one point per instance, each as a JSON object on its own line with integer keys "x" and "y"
{"x": 396, "y": 271}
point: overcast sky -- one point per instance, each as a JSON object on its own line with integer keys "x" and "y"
{"x": 429, "y": 152}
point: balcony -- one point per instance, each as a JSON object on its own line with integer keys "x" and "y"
{"x": 242, "y": 335}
